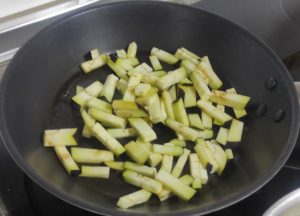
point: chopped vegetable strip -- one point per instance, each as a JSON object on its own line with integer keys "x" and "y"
{"x": 95, "y": 172}
{"x": 177, "y": 170}
{"x": 137, "y": 152}
{"x": 142, "y": 128}
{"x": 211, "y": 110}
{"x": 67, "y": 161}
{"x": 135, "y": 198}
{"x": 144, "y": 182}
{"x": 142, "y": 169}
{"x": 171, "y": 78}
{"x": 60, "y": 137}
{"x": 175, "y": 185}
{"x": 106, "y": 139}
{"x": 235, "y": 131}
{"x": 87, "y": 155}
{"x": 164, "y": 56}
{"x": 166, "y": 194}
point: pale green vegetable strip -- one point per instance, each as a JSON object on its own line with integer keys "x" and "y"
{"x": 128, "y": 62}
{"x": 221, "y": 108}
{"x": 107, "y": 119}
{"x": 59, "y": 137}
{"x": 109, "y": 87}
{"x": 159, "y": 73}
{"x": 222, "y": 136}
{"x": 185, "y": 81}
{"x": 186, "y": 131}
{"x": 133, "y": 82}
{"x": 95, "y": 172}
{"x": 204, "y": 176}
{"x": 99, "y": 104}
{"x": 147, "y": 77}
{"x": 183, "y": 55}
{"x": 173, "y": 92}
{"x": 147, "y": 98}
{"x": 106, "y": 139}
{"x": 211, "y": 110}
{"x": 144, "y": 143}
{"x": 122, "y": 132}
{"x": 121, "y": 53}
{"x": 204, "y": 154}
{"x": 229, "y": 99}
{"x": 200, "y": 86}
{"x": 121, "y": 72}
{"x": 94, "y": 89}
{"x": 88, "y": 155}
{"x": 132, "y": 49}
{"x": 229, "y": 154}
{"x": 178, "y": 142}
{"x": 175, "y": 185}
{"x": 188, "y": 65}
{"x": 87, "y": 119}
{"x": 180, "y": 112}
{"x": 124, "y": 105}
{"x": 154, "y": 159}
{"x": 206, "y": 120}
{"x": 164, "y": 56}
{"x": 235, "y": 131}
{"x": 144, "y": 182}
{"x": 137, "y": 152}
{"x": 124, "y": 64}
{"x": 206, "y": 134}
{"x": 142, "y": 169}
{"x": 167, "y": 100}
{"x": 147, "y": 67}
{"x": 210, "y": 151}
{"x": 81, "y": 98}
{"x": 142, "y": 89}
{"x": 195, "y": 121}
{"x": 155, "y": 63}
{"x": 131, "y": 113}
{"x": 79, "y": 89}
{"x": 122, "y": 86}
{"x": 178, "y": 168}
{"x": 164, "y": 114}
{"x": 67, "y": 161}
{"x": 195, "y": 170}
{"x": 166, "y": 194}
{"x": 189, "y": 96}
{"x": 115, "y": 165}
{"x": 86, "y": 132}
{"x": 93, "y": 64}
{"x": 154, "y": 110}
{"x": 132, "y": 199}
{"x": 190, "y": 54}
{"x": 167, "y": 163}
{"x": 239, "y": 113}
{"x": 94, "y": 53}
{"x": 171, "y": 78}
{"x": 167, "y": 150}
{"x": 142, "y": 128}
{"x": 205, "y": 66}
{"x": 220, "y": 156}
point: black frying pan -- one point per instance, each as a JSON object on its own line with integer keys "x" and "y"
{"x": 36, "y": 89}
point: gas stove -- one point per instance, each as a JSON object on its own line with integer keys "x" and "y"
{"x": 276, "y": 22}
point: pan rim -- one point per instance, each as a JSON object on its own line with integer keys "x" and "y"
{"x": 228, "y": 201}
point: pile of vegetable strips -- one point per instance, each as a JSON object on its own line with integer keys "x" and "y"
{"x": 150, "y": 96}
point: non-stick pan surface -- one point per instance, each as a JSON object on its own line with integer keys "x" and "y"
{"x": 36, "y": 89}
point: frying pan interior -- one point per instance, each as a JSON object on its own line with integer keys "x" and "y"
{"x": 38, "y": 84}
